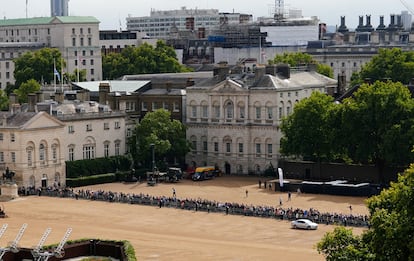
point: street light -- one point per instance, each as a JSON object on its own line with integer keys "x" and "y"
{"x": 152, "y": 145}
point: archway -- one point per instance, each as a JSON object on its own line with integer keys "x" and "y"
{"x": 227, "y": 168}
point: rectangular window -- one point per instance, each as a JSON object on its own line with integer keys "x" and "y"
{"x": 92, "y": 71}
{"x": 144, "y": 106}
{"x": 258, "y": 149}
{"x": 12, "y": 137}
{"x": 106, "y": 150}
{"x": 241, "y": 113}
{"x": 1, "y": 136}
{"x": 241, "y": 149}
{"x": 117, "y": 148}
{"x": 1, "y": 156}
{"x": 89, "y": 41}
{"x": 228, "y": 147}
{"x": 176, "y": 107}
{"x": 205, "y": 111}
{"x": 73, "y": 41}
{"x": 13, "y": 157}
{"x": 258, "y": 113}
{"x": 269, "y": 113}
{"x": 194, "y": 145}
{"x": 205, "y": 145}
{"x": 88, "y": 127}
{"x": 29, "y": 158}
{"x": 269, "y": 150}
{"x": 81, "y": 41}
{"x": 88, "y": 152}
{"x": 71, "y": 154}
{"x": 194, "y": 111}
{"x": 54, "y": 154}
{"x": 117, "y": 125}
{"x": 71, "y": 129}
{"x": 217, "y": 111}
{"x": 106, "y": 125}
{"x": 92, "y": 61}
{"x": 215, "y": 146}
{"x": 280, "y": 112}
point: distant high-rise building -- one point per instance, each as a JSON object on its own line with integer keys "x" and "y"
{"x": 59, "y": 7}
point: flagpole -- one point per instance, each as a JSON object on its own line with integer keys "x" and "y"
{"x": 77, "y": 67}
{"x": 54, "y": 74}
{"x": 61, "y": 72}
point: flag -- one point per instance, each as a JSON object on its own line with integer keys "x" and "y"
{"x": 56, "y": 73}
{"x": 280, "y": 177}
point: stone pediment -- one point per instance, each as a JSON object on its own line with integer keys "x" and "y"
{"x": 42, "y": 120}
{"x": 228, "y": 86}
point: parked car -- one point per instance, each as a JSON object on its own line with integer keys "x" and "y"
{"x": 304, "y": 224}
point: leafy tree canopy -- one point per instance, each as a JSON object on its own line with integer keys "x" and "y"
{"x": 378, "y": 122}
{"x": 4, "y": 100}
{"x": 393, "y": 64}
{"x": 38, "y": 65}
{"x": 301, "y": 59}
{"x": 142, "y": 60}
{"x": 390, "y": 236}
{"x": 306, "y": 131}
{"x": 31, "y": 86}
{"x": 168, "y": 137}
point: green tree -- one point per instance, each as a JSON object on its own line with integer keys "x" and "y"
{"x": 391, "y": 232}
{"x": 378, "y": 123}
{"x": 306, "y": 131}
{"x": 391, "y": 236}
{"x": 31, "y": 86}
{"x": 342, "y": 244}
{"x": 168, "y": 137}
{"x": 301, "y": 59}
{"x": 142, "y": 60}
{"x": 4, "y": 100}
{"x": 393, "y": 64}
{"x": 38, "y": 65}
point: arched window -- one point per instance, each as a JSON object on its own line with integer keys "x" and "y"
{"x": 229, "y": 109}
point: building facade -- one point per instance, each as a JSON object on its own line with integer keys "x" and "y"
{"x": 32, "y": 146}
{"x": 161, "y": 23}
{"x": 233, "y": 120}
{"x": 77, "y": 38}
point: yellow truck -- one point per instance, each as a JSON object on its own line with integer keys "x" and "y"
{"x": 208, "y": 172}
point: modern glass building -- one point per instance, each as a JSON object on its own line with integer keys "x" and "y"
{"x": 59, "y": 7}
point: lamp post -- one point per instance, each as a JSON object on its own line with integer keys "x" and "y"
{"x": 152, "y": 145}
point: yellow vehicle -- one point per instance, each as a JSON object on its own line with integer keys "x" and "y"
{"x": 208, "y": 172}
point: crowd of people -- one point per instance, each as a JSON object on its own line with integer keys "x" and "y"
{"x": 228, "y": 208}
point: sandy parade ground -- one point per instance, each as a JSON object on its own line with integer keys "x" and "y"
{"x": 174, "y": 234}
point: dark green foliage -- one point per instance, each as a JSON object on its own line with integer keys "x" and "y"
{"x": 168, "y": 137}
{"x": 390, "y": 236}
{"x": 82, "y": 168}
{"x": 91, "y": 180}
{"x": 374, "y": 126}
{"x": 141, "y": 60}
{"x": 37, "y": 65}
{"x": 392, "y": 64}
{"x": 302, "y": 59}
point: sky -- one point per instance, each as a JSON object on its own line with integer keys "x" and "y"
{"x": 112, "y": 13}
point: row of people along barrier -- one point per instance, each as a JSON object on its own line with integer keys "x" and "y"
{"x": 228, "y": 208}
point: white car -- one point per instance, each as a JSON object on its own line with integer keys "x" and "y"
{"x": 304, "y": 224}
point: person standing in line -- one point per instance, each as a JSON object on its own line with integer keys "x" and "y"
{"x": 247, "y": 193}
{"x": 173, "y": 190}
{"x": 289, "y": 195}
{"x": 280, "y": 201}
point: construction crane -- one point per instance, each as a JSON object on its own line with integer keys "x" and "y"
{"x": 13, "y": 246}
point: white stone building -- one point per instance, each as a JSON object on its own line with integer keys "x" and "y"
{"x": 91, "y": 130}
{"x": 77, "y": 38}
{"x": 32, "y": 146}
{"x": 159, "y": 23}
{"x": 234, "y": 120}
